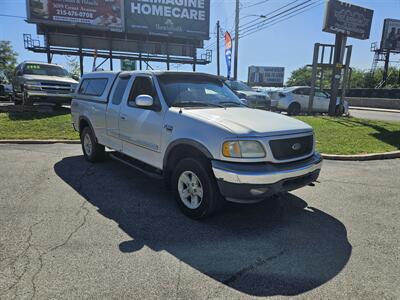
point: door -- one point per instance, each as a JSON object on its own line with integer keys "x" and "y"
{"x": 141, "y": 127}
{"x": 321, "y": 101}
{"x": 118, "y": 94}
{"x": 301, "y": 96}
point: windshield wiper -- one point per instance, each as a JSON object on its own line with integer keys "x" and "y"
{"x": 195, "y": 103}
{"x": 233, "y": 102}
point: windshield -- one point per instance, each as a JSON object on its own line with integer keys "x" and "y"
{"x": 238, "y": 86}
{"x": 38, "y": 69}
{"x": 196, "y": 91}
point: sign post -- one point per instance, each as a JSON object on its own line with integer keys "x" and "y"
{"x": 344, "y": 20}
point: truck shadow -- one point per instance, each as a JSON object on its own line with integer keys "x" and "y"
{"x": 278, "y": 247}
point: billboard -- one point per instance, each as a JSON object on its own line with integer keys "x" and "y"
{"x": 95, "y": 14}
{"x": 391, "y": 35}
{"x": 188, "y": 19}
{"x": 266, "y": 76}
{"x": 351, "y": 20}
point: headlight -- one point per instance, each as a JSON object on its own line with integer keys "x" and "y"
{"x": 73, "y": 87}
{"x": 32, "y": 85}
{"x": 243, "y": 149}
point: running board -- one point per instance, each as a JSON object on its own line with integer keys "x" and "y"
{"x": 137, "y": 165}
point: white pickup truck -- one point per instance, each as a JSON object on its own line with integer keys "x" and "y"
{"x": 193, "y": 131}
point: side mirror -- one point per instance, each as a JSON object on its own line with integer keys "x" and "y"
{"x": 75, "y": 77}
{"x": 244, "y": 101}
{"x": 144, "y": 101}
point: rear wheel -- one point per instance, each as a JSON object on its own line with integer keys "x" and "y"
{"x": 195, "y": 188}
{"x": 294, "y": 109}
{"x": 92, "y": 151}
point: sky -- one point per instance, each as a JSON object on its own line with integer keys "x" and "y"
{"x": 288, "y": 44}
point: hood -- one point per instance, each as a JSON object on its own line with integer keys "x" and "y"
{"x": 251, "y": 93}
{"x": 250, "y": 122}
{"x": 50, "y": 78}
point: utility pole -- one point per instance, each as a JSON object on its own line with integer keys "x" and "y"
{"x": 340, "y": 46}
{"x": 218, "y": 65}
{"x": 236, "y": 41}
{"x": 386, "y": 68}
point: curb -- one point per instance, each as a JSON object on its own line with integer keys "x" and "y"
{"x": 40, "y": 142}
{"x": 375, "y": 109}
{"x": 360, "y": 157}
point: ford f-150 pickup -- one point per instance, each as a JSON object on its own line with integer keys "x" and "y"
{"x": 192, "y": 130}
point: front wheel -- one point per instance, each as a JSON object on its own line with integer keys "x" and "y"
{"x": 25, "y": 100}
{"x": 195, "y": 188}
{"x": 340, "y": 110}
{"x": 92, "y": 151}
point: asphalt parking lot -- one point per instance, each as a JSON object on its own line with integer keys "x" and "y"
{"x": 70, "y": 229}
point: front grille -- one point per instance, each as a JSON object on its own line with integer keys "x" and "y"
{"x": 56, "y": 88}
{"x": 292, "y": 148}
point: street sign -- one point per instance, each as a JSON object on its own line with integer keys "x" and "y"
{"x": 348, "y": 19}
{"x": 128, "y": 65}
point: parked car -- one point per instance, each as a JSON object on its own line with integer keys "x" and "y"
{"x": 5, "y": 92}
{"x": 42, "y": 82}
{"x": 295, "y": 100}
{"x": 254, "y": 99}
{"x": 193, "y": 131}
{"x": 272, "y": 93}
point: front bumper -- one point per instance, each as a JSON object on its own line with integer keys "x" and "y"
{"x": 244, "y": 182}
{"x": 40, "y": 96}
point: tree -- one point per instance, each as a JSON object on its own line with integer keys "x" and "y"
{"x": 8, "y": 60}
{"x": 74, "y": 67}
{"x": 359, "y": 78}
{"x": 301, "y": 76}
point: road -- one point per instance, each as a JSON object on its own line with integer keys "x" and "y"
{"x": 73, "y": 230}
{"x": 375, "y": 115}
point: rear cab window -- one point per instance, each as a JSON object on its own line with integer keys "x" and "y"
{"x": 93, "y": 86}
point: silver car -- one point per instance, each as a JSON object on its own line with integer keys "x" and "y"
{"x": 295, "y": 100}
{"x": 254, "y": 99}
{"x": 42, "y": 82}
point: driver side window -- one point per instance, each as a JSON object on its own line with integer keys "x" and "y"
{"x": 142, "y": 85}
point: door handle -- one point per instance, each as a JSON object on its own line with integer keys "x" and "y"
{"x": 123, "y": 117}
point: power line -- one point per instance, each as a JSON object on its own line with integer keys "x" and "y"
{"x": 267, "y": 25}
{"x": 244, "y": 28}
{"x": 12, "y": 16}
{"x": 270, "y": 13}
{"x": 255, "y": 4}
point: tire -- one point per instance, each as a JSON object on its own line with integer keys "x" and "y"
{"x": 17, "y": 101}
{"x": 92, "y": 151}
{"x": 26, "y": 101}
{"x": 198, "y": 172}
{"x": 339, "y": 110}
{"x": 294, "y": 109}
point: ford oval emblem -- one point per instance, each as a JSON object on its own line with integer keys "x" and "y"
{"x": 296, "y": 147}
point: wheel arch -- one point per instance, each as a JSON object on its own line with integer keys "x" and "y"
{"x": 84, "y": 122}
{"x": 180, "y": 149}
